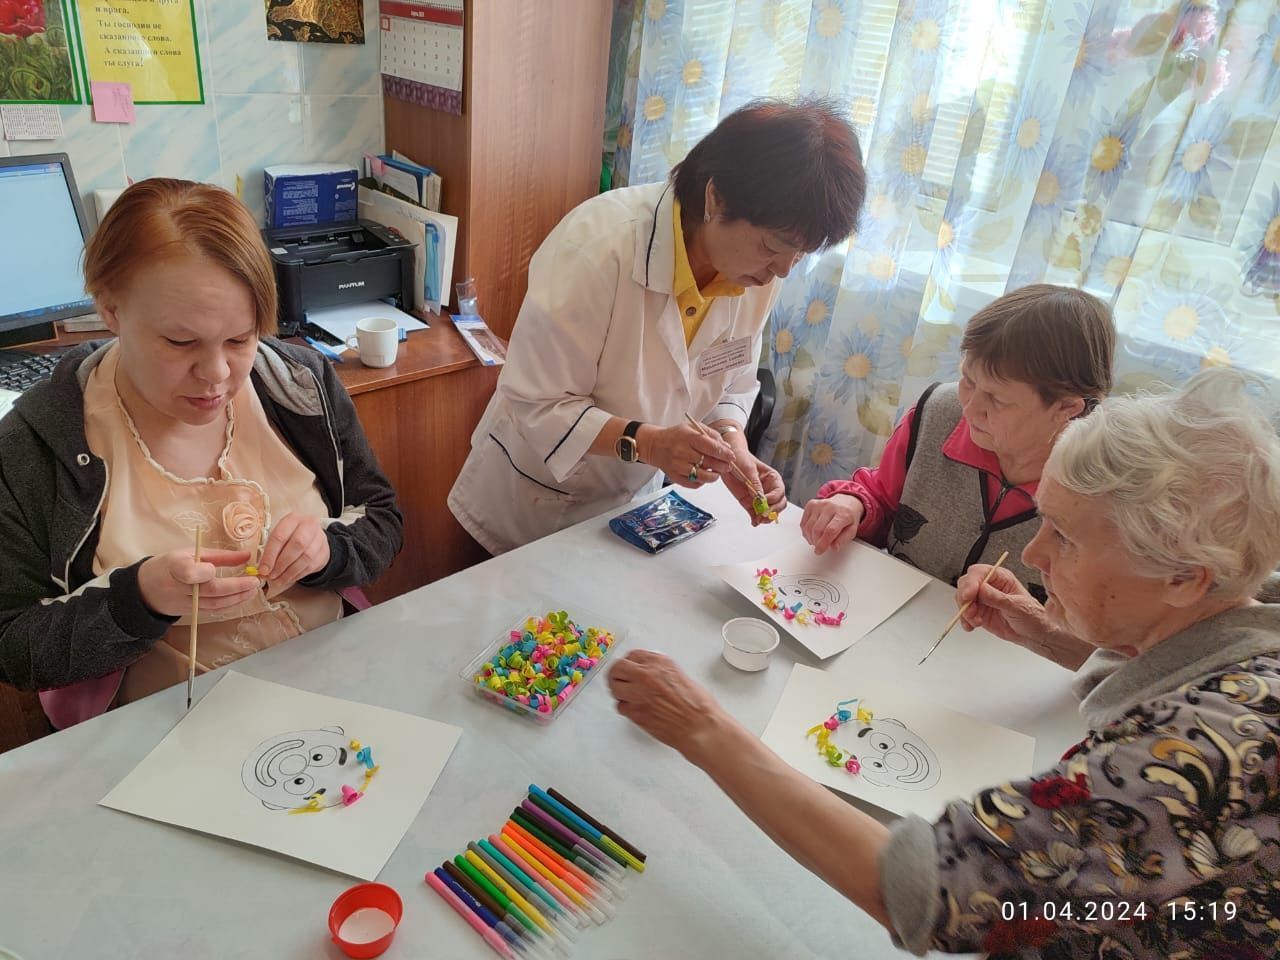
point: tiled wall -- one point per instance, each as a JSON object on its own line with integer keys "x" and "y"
{"x": 265, "y": 102}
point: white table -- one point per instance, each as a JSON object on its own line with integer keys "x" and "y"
{"x": 78, "y": 880}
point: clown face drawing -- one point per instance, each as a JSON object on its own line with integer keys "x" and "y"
{"x": 818, "y": 595}
{"x": 894, "y": 756}
{"x": 288, "y": 770}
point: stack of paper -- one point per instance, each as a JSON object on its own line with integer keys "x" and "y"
{"x": 433, "y": 236}
{"x": 412, "y": 180}
{"x": 341, "y": 321}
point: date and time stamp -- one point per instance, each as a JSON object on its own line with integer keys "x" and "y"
{"x": 1119, "y": 911}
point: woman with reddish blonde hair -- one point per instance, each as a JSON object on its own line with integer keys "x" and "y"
{"x": 192, "y": 425}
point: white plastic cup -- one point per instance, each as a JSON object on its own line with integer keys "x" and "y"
{"x": 748, "y": 643}
{"x": 376, "y": 340}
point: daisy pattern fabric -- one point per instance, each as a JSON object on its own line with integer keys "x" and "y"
{"x": 1146, "y": 171}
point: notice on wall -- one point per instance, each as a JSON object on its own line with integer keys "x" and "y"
{"x": 31, "y": 123}
{"x": 148, "y": 44}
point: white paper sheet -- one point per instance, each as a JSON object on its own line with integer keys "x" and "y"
{"x": 916, "y": 757}
{"x": 863, "y": 582}
{"x": 35, "y": 122}
{"x": 433, "y": 249}
{"x": 230, "y": 764}
{"x": 341, "y": 321}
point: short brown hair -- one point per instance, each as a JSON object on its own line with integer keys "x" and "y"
{"x": 162, "y": 218}
{"x": 1058, "y": 340}
{"x": 791, "y": 167}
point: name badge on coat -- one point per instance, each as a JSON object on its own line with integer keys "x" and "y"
{"x": 724, "y": 356}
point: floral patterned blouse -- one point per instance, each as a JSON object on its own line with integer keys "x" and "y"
{"x": 1158, "y": 835}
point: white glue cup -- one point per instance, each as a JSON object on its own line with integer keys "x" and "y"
{"x": 748, "y": 642}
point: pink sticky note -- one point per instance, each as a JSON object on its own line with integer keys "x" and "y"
{"x": 112, "y": 102}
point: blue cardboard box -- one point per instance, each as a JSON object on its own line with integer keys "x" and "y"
{"x": 310, "y": 194}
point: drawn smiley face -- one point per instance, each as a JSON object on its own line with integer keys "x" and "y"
{"x": 818, "y": 595}
{"x": 287, "y": 770}
{"x": 894, "y": 756}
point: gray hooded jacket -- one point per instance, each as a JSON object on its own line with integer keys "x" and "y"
{"x": 59, "y": 624}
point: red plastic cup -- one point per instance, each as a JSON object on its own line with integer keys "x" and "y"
{"x": 376, "y": 896}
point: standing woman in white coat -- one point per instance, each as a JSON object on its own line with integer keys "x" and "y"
{"x": 649, "y": 303}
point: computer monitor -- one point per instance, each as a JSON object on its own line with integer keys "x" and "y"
{"x": 42, "y": 235}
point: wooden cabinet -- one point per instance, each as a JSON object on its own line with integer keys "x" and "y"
{"x": 419, "y": 415}
{"x": 527, "y": 148}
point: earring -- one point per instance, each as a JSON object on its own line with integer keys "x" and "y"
{"x": 706, "y": 218}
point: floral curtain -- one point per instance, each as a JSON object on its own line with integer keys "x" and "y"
{"x": 1128, "y": 147}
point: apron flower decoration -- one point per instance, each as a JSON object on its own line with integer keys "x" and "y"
{"x": 241, "y": 520}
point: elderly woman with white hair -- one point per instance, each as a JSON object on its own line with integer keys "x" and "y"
{"x": 1158, "y": 835}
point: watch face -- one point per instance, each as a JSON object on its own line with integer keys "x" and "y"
{"x": 627, "y": 449}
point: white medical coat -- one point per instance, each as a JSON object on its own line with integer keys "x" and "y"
{"x": 599, "y": 334}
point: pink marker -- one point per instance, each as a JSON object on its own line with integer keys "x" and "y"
{"x": 491, "y": 936}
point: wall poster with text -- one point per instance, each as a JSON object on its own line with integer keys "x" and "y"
{"x": 148, "y": 44}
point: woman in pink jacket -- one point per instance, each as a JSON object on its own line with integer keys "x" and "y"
{"x": 957, "y": 481}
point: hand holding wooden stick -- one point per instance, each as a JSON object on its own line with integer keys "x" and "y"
{"x": 759, "y": 502}
{"x": 959, "y": 613}
{"x": 737, "y": 471}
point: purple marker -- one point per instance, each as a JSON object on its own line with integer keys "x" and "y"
{"x": 558, "y": 829}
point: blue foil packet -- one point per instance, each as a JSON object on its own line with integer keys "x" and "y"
{"x": 661, "y": 523}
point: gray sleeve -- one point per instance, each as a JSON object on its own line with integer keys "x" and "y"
{"x": 370, "y": 532}
{"x": 910, "y": 885}
{"x": 47, "y": 638}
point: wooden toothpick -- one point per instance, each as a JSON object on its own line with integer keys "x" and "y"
{"x": 195, "y": 622}
{"x": 959, "y": 613}
{"x": 737, "y": 471}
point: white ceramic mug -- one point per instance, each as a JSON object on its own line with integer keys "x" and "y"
{"x": 376, "y": 340}
{"x": 748, "y": 643}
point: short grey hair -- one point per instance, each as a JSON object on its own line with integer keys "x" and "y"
{"x": 1191, "y": 479}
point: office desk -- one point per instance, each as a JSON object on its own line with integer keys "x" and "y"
{"x": 83, "y": 881}
{"x": 418, "y": 415}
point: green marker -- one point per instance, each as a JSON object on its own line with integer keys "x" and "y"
{"x": 503, "y": 900}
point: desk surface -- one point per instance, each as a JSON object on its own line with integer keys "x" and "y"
{"x": 425, "y": 353}
{"x": 83, "y": 881}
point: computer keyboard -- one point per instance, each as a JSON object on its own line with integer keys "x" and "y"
{"x": 20, "y": 371}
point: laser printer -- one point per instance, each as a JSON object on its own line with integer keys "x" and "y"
{"x": 331, "y": 265}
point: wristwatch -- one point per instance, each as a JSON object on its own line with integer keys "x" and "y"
{"x": 627, "y": 448}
